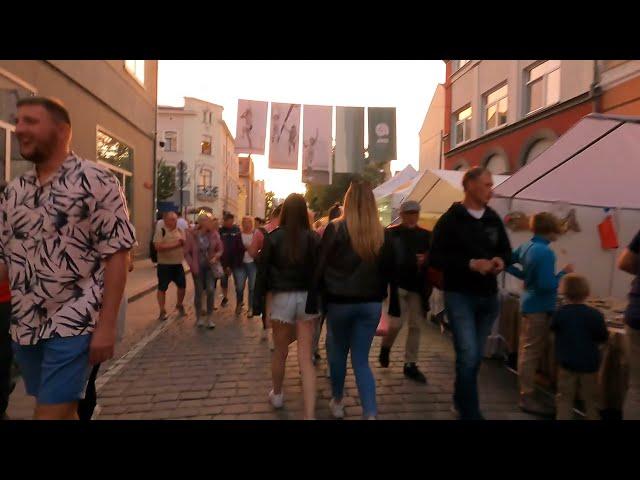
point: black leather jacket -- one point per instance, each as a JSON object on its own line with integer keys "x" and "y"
{"x": 343, "y": 277}
{"x": 276, "y": 273}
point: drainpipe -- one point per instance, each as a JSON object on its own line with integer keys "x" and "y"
{"x": 440, "y": 163}
{"x": 155, "y": 157}
{"x": 595, "y": 91}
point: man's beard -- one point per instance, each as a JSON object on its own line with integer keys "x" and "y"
{"x": 41, "y": 151}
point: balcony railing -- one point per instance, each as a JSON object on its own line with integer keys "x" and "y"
{"x": 206, "y": 193}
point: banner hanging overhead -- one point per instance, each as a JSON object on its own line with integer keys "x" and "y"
{"x": 316, "y": 144}
{"x": 349, "y": 140}
{"x": 285, "y": 135}
{"x": 251, "y": 127}
{"x": 382, "y": 134}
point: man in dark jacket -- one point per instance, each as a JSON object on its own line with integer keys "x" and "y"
{"x": 471, "y": 247}
{"x": 232, "y": 257}
{"x": 411, "y": 245}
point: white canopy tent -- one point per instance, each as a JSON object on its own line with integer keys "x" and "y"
{"x": 388, "y": 194}
{"x": 593, "y": 168}
{"x": 398, "y": 180}
{"x": 436, "y": 190}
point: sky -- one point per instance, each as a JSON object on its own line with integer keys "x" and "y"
{"x": 407, "y": 85}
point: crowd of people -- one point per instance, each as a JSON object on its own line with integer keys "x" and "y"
{"x": 65, "y": 249}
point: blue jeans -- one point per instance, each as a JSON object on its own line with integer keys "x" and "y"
{"x": 471, "y": 318}
{"x": 204, "y": 283}
{"x": 351, "y": 327}
{"x": 240, "y": 275}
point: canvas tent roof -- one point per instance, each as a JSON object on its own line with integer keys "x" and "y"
{"x": 396, "y": 182}
{"x": 436, "y": 190}
{"x": 595, "y": 163}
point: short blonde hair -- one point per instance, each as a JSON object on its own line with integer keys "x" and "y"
{"x": 545, "y": 223}
{"x": 204, "y": 216}
{"x": 575, "y": 287}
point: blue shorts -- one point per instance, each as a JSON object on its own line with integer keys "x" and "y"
{"x": 55, "y": 370}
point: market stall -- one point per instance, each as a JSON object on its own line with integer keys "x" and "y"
{"x": 588, "y": 178}
{"x": 389, "y": 194}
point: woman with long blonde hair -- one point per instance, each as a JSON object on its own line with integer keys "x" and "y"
{"x": 354, "y": 270}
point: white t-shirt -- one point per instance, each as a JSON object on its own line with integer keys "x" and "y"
{"x": 476, "y": 213}
{"x": 247, "y": 239}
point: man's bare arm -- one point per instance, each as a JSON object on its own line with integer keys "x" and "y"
{"x": 115, "y": 279}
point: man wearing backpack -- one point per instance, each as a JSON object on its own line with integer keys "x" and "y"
{"x": 169, "y": 242}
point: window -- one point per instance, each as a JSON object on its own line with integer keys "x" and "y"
{"x": 205, "y": 145}
{"x": 117, "y": 156}
{"x": 458, "y": 64}
{"x": 210, "y": 117}
{"x": 10, "y": 93}
{"x": 170, "y": 141}
{"x": 12, "y": 164}
{"x": 205, "y": 180}
{"x": 461, "y": 165}
{"x": 537, "y": 149}
{"x": 462, "y": 126}
{"x": 497, "y": 164}
{"x": 135, "y": 68}
{"x": 543, "y": 85}
{"x": 496, "y": 104}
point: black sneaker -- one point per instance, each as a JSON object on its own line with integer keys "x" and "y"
{"x": 412, "y": 371}
{"x": 225, "y": 302}
{"x": 384, "y": 357}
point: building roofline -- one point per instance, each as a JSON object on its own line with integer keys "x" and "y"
{"x": 204, "y": 101}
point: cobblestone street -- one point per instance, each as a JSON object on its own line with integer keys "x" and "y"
{"x": 190, "y": 373}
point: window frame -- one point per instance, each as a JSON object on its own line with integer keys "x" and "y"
{"x": 8, "y": 126}
{"x": 174, "y": 143}
{"x": 126, "y": 174}
{"x": 456, "y": 123}
{"x": 202, "y": 142}
{"x": 202, "y": 177}
{"x": 486, "y": 106}
{"x": 134, "y": 71}
{"x": 544, "y": 78}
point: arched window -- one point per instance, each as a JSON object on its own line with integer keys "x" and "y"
{"x": 498, "y": 164}
{"x": 461, "y": 165}
{"x": 537, "y": 148}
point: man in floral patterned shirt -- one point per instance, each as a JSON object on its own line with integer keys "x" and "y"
{"x": 64, "y": 242}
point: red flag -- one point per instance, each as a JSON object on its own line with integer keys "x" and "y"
{"x": 608, "y": 235}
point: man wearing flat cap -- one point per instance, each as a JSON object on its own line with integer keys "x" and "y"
{"x": 411, "y": 245}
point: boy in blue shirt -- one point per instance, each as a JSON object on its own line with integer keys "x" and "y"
{"x": 538, "y": 302}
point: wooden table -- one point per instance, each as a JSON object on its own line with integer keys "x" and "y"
{"x": 613, "y": 376}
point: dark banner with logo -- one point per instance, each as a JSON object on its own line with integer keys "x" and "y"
{"x": 382, "y": 134}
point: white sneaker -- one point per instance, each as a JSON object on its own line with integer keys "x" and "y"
{"x": 210, "y": 324}
{"x": 200, "y": 322}
{"x": 277, "y": 401}
{"x": 337, "y": 409}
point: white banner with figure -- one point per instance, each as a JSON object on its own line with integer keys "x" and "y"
{"x": 316, "y": 144}
{"x": 251, "y": 127}
{"x": 284, "y": 136}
